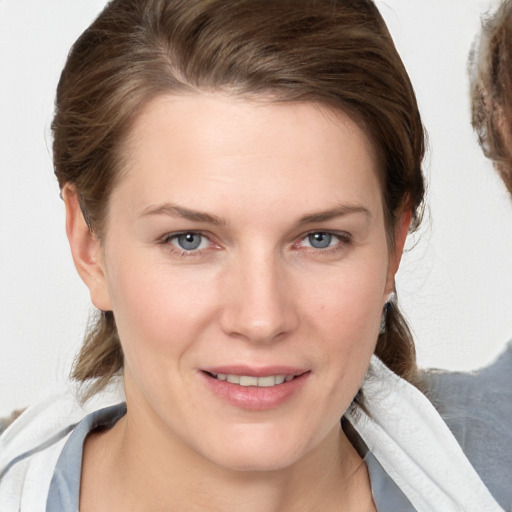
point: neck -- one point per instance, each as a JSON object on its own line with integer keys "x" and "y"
{"x": 125, "y": 469}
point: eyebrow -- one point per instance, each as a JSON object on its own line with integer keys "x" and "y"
{"x": 334, "y": 213}
{"x": 184, "y": 213}
{"x": 196, "y": 216}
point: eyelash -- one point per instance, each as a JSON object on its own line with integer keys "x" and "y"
{"x": 168, "y": 238}
{"x": 343, "y": 239}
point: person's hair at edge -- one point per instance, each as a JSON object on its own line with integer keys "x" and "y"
{"x": 336, "y": 53}
{"x": 490, "y": 72}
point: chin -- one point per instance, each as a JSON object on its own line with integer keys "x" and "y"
{"x": 257, "y": 452}
{"x": 262, "y": 461}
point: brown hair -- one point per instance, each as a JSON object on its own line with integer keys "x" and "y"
{"x": 335, "y": 52}
{"x": 490, "y": 71}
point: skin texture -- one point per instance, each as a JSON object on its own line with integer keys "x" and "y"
{"x": 252, "y": 180}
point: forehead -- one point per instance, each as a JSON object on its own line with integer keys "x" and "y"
{"x": 193, "y": 146}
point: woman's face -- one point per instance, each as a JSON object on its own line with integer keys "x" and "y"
{"x": 246, "y": 263}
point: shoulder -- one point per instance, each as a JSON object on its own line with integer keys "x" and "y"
{"x": 50, "y": 419}
{"x": 477, "y": 407}
{"x": 38, "y": 426}
{"x": 31, "y": 446}
{"x": 415, "y": 447}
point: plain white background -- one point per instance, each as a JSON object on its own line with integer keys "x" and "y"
{"x": 455, "y": 282}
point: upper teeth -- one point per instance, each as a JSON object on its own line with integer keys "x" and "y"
{"x": 262, "y": 382}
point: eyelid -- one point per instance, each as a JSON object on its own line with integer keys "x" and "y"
{"x": 342, "y": 236}
{"x": 169, "y": 237}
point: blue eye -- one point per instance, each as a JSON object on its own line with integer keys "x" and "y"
{"x": 189, "y": 241}
{"x": 321, "y": 240}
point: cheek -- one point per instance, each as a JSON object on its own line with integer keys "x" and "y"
{"x": 159, "y": 310}
{"x": 348, "y": 300}
{"x": 345, "y": 314}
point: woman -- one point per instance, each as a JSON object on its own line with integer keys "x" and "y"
{"x": 239, "y": 180}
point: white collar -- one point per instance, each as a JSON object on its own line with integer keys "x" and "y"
{"x": 415, "y": 447}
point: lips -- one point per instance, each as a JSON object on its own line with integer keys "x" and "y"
{"x": 256, "y": 390}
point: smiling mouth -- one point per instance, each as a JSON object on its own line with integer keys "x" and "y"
{"x": 247, "y": 380}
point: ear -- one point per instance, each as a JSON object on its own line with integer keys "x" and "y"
{"x": 86, "y": 250}
{"x": 400, "y": 234}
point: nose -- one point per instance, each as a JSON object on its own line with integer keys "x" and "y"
{"x": 259, "y": 304}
